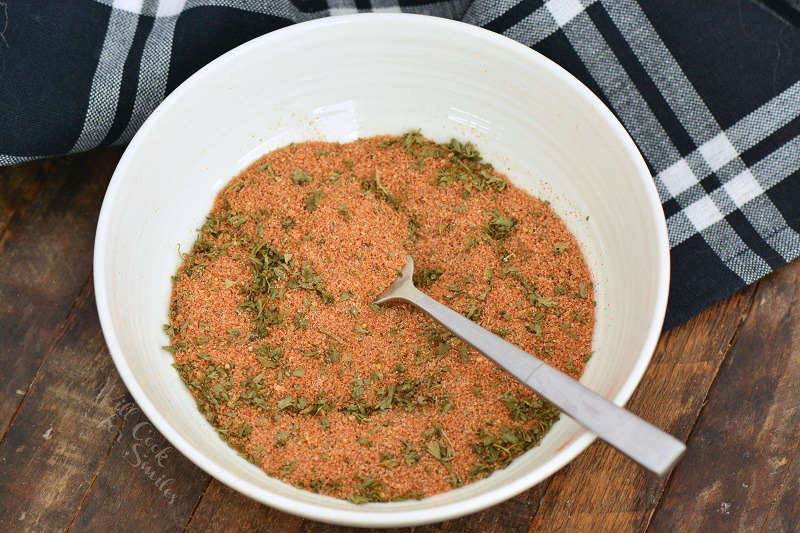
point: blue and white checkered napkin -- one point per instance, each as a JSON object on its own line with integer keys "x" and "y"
{"x": 710, "y": 92}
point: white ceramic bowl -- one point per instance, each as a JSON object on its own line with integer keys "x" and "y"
{"x": 347, "y": 77}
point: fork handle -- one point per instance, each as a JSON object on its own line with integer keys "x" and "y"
{"x": 646, "y": 444}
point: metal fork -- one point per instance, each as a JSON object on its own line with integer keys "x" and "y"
{"x": 652, "y": 448}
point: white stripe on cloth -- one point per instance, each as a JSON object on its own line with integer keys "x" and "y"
{"x": 336, "y": 10}
{"x": 563, "y": 11}
{"x": 543, "y": 22}
{"x": 747, "y": 191}
{"x": 744, "y": 134}
{"x": 628, "y": 103}
{"x": 8, "y": 160}
{"x": 482, "y": 13}
{"x": 701, "y": 213}
{"x": 107, "y": 80}
{"x": 156, "y": 55}
{"x": 279, "y": 8}
{"x": 698, "y": 121}
{"x": 131, "y": 6}
{"x": 153, "y": 71}
{"x": 763, "y": 176}
{"x": 663, "y": 69}
{"x": 649, "y": 134}
{"x": 167, "y": 8}
{"x": 170, "y": 8}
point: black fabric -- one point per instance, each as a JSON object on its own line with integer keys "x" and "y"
{"x": 192, "y": 48}
{"x": 710, "y": 92}
{"x": 44, "y": 83}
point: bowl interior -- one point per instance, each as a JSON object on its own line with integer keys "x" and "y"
{"x": 349, "y": 77}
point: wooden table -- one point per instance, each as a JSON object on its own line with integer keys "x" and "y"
{"x": 71, "y": 438}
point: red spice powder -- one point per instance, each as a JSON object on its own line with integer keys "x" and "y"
{"x": 274, "y": 333}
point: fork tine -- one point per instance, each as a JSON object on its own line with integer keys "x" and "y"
{"x": 402, "y": 286}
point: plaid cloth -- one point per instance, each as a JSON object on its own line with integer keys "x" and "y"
{"x": 709, "y": 90}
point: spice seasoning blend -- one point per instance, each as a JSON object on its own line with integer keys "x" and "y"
{"x": 273, "y": 331}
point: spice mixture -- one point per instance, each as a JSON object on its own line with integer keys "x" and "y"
{"x": 273, "y": 330}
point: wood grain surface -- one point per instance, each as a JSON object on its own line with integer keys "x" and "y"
{"x": 76, "y": 453}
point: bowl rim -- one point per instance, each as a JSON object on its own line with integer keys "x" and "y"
{"x": 365, "y": 516}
